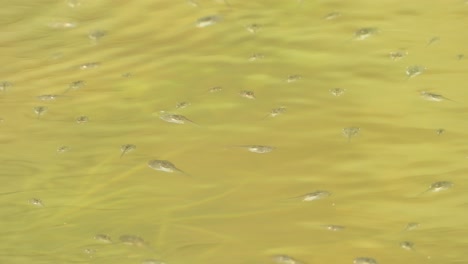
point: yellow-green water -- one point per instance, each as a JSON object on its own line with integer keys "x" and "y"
{"x": 233, "y": 206}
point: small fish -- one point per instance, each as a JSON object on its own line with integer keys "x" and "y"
{"x": 96, "y": 35}
{"x": 397, "y": 55}
{"x": 256, "y": 56}
{"x": 364, "y": 260}
{"x": 285, "y": 259}
{"x": 253, "y": 28}
{"x": 152, "y": 261}
{"x": 126, "y": 148}
{"x": 48, "y": 97}
{"x": 5, "y": 85}
{"x": 36, "y": 202}
{"x": 365, "y": 32}
{"x": 89, "y": 65}
{"x": 132, "y": 240}
{"x": 75, "y": 85}
{"x": 332, "y": 15}
{"x": 276, "y": 112}
{"x": 127, "y": 75}
{"x": 313, "y": 196}
{"x": 433, "y": 97}
{"x": 174, "y": 118}
{"x": 440, "y": 131}
{"x": 62, "y": 24}
{"x": 411, "y": 226}
{"x": 414, "y": 70}
{"x": 73, "y": 3}
{"x": 165, "y": 166}
{"x": 433, "y": 40}
{"x": 40, "y": 110}
{"x": 337, "y": 91}
{"x": 181, "y": 105}
{"x": 350, "y": 132}
{"x": 407, "y": 245}
{"x": 215, "y": 89}
{"x": 334, "y": 227}
{"x": 247, "y": 94}
{"x": 293, "y": 78}
{"x": 82, "y": 119}
{"x": 207, "y": 21}
{"x": 257, "y": 148}
{"x": 438, "y": 187}
{"x": 63, "y": 149}
{"x": 103, "y": 238}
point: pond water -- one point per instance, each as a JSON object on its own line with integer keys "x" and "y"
{"x": 311, "y": 131}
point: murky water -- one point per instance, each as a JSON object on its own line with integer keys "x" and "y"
{"x": 339, "y": 90}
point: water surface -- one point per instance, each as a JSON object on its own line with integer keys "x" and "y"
{"x": 103, "y": 71}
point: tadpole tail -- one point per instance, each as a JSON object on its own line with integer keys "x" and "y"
{"x": 424, "y": 192}
{"x": 265, "y": 117}
{"x": 193, "y": 123}
{"x": 450, "y": 100}
{"x": 183, "y": 172}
